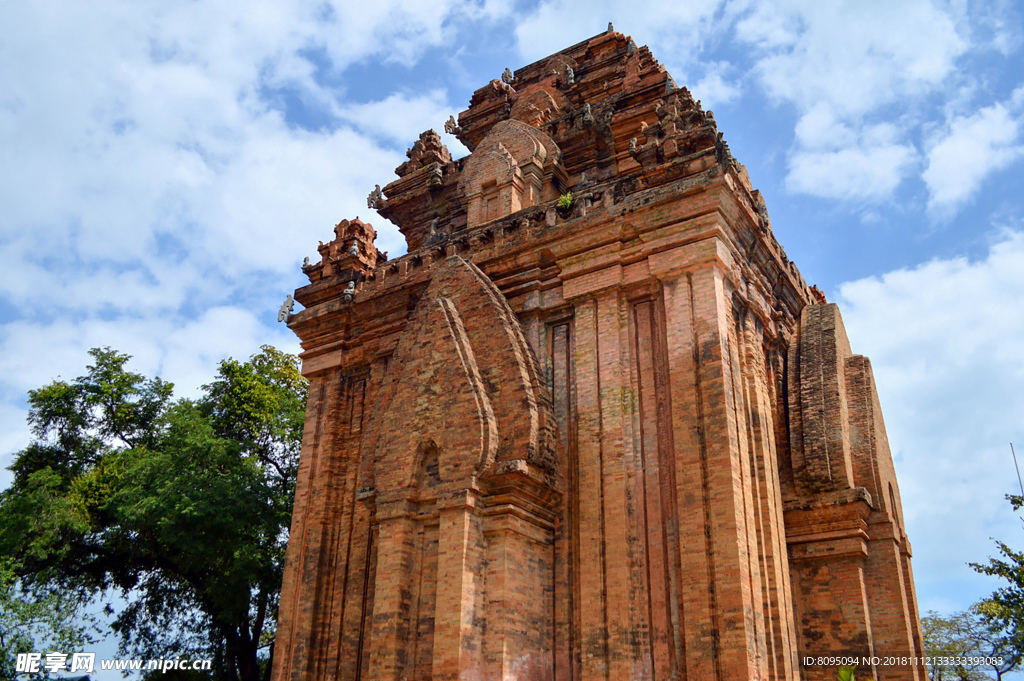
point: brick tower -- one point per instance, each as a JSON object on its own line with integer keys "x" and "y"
{"x": 594, "y": 425}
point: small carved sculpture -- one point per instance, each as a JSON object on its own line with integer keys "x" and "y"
{"x": 286, "y": 309}
{"x": 305, "y": 263}
{"x": 506, "y": 76}
{"x": 611, "y": 29}
{"x": 633, "y": 149}
{"x": 723, "y": 155}
{"x": 762, "y": 215}
{"x": 630, "y": 46}
{"x": 570, "y": 75}
{"x": 588, "y": 115}
{"x": 350, "y": 292}
{"x": 450, "y": 126}
{"x": 435, "y": 234}
{"x": 436, "y": 177}
{"x": 354, "y": 250}
{"x": 375, "y": 197}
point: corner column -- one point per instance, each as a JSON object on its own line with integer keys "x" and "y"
{"x": 715, "y": 552}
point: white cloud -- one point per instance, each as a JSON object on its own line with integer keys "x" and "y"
{"x": 854, "y": 56}
{"x": 142, "y": 169}
{"x": 14, "y": 436}
{"x": 400, "y": 118}
{"x": 713, "y": 90}
{"x": 180, "y": 349}
{"x": 840, "y": 163}
{"x": 946, "y": 341}
{"x": 839, "y": 64}
{"x": 969, "y": 149}
{"x": 676, "y": 29}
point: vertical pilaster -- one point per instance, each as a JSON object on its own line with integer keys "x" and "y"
{"x": 566, "y": 533}
{"x": 329, "y": 634}
{"x": 302, "y": 578}
{"x": 696, "y": 543}
{"x": 657, "y": 488}
{"x": 771, "y": 540}
{"x": 736, "y": 375}
{"x": 591, "y": 559}
{"x": 458, "y": 618}
{"x": 719, "y": 551}
{"x": 392, "y": 603}
{"x": 628, "y": 647}
{"x": 357, "y": 591}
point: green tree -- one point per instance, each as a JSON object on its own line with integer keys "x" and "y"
{"x": 181, "y": 507}
{"x": 951, "y": 636}
{"x": 997, "y": 640}
{"x": 1004, "y": 610}
{"x": 975, "y": 634}
{"x": 32, "y": 622}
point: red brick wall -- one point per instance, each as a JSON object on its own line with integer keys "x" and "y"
{"x": 622, "y": 440}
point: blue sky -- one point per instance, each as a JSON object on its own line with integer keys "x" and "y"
{"x": 167, "y": 165}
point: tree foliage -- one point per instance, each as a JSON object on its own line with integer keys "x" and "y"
{"x": 973, "y": 636}
{"x": 179, "y": 506}
{"x": 31, "y": 621}
{"x": 1004, "y": 610}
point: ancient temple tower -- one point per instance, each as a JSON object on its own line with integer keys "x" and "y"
{"x": 594, "y": 425}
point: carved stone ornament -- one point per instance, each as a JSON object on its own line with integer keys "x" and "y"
{"x": 506, "y": 76}
{"x": 588, "y": 115}
{"x": 436, "y": 177}
{"x": 286, "y": 308}
{"x": 374, "y": 199}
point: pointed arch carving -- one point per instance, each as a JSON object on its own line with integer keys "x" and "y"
{"x": 466, "y": 379}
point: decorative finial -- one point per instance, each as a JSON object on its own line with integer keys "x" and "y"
{"x": 286, "y": 308}
{"x": 611, "y": 29}
{"x": 374, "y": 199}
{"x": 450, "y": 126}
{"x": 630, "y": 46}
{"x": 506, "y": 76}
{"x": 305, "y": 263}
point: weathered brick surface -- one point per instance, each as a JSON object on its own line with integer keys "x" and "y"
{"x": 619, "y": 440}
